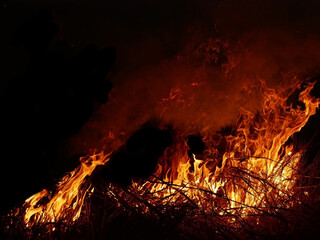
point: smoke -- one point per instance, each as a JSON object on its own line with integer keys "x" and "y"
{"x": 194, "y": 65}
{"x": 189, "y": 64}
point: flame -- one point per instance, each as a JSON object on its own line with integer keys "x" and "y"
{"x": 255, "y": 172}
{"x": 67, "y": 202}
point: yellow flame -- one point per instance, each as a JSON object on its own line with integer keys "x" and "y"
{"x": 68, "y": 200}
{"x": 256, "y": 169}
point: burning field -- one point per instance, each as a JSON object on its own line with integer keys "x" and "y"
{"x": 248, "y": 180}
{"x": 211, "y": 134}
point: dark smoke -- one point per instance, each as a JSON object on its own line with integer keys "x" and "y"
{"x": 137, "y": 159}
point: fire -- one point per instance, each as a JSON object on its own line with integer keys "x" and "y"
{"x": 249, "y": 171}
{"x": 66, "y": 203}
{"x": 257, "y": 170}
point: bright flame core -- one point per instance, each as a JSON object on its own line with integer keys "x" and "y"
{"x": 66, "y": 204}
{"x": 256, "y": 168}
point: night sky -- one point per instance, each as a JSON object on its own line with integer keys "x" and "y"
{"x": 61, "y": 60}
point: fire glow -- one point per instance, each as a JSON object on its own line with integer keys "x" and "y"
{"x": 255, "y": 172}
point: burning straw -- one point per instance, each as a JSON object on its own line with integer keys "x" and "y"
{"x": 249, "y": 183}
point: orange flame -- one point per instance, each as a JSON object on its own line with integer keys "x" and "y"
{"x": 67, "y": 202}
{"x": 257, "y": 168}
